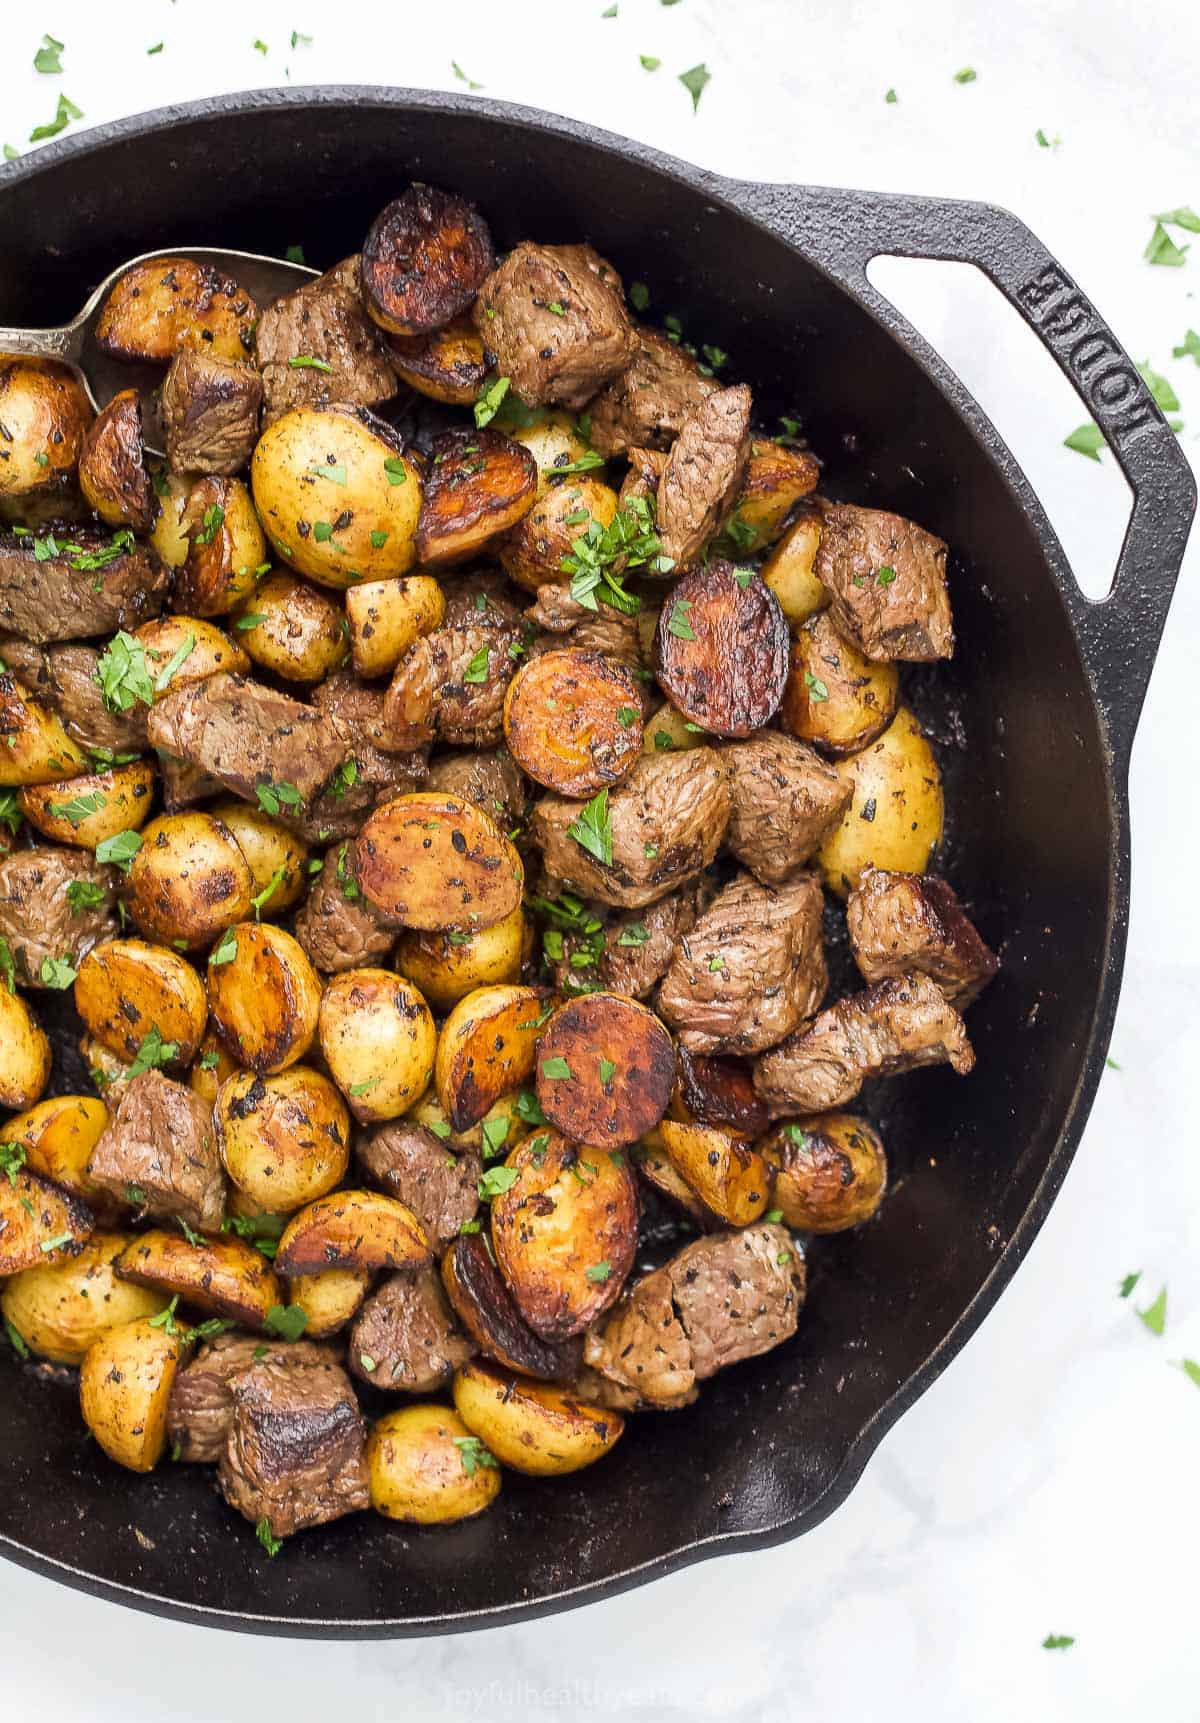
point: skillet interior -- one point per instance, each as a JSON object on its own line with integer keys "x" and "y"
{"x": 1034, "y": 847}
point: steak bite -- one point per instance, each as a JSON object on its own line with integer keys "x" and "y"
{"x": 887, "y": 584}
{"x": 737, "y": 1294}
{"x": 210, "y": 408}
{"x": 751, "y": 969}
{"x": 296, "y": 1450}
{"x": 703, "y": 474}
{"x": 324, "y": 320}
{"x": 900, "y": 922}
{"x": 785, "y": 800}
{"x": 200, "y": 1413}
{"x": 159, "y": 1151}
{"x": 42, "y": 919}
{"x": 78, "y": 582}
{"x": 639, "y": 945}
{"x": 491, "y": 780}
{"x": 336, "y": 925}
{"x": 65, "y": 679}
{"x": 647, "y": 405}
{"x": 897, "y": 1025}
{"x": 406, "y": 1335}
{"x": 553, "y": 320}
{"x": 641, "y": 1346}
{"x": 451, "y": 683}
{"x": 439, "y": 1187}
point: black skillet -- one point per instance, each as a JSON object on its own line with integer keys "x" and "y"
{"x": 1035, "y": 715}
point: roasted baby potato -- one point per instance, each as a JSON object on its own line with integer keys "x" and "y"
{"x": 488, "y": 1311}
{"x": 292, "y": 629}
{"x": 378, "y": 1040}
{"x": 58, "y": 1136}
{"x": 337, "y": 494}
{"x": 210, "y": 1068}
{"x": 189, "y": 881}
{"x": 776, "y": 479}
{"x": 431, "y": 861}
{"x": 45, "y": 415}
{"x": 263, "y": 994}
{"x": 61, "y": 1308}
{"x": 531, "y": 1426}
{"x": 423, "y": 260}
{"x": 667, "y": 731}
{"x": 222, "y": 1276}
{"x": 425, "y": 1467}
{"x": 446, "y": 364}
{"x": 573, "y": 721}
{"x": 721, "y": 652}
{"x": 486, "y": 1048}
{"x": 835, "y": 697}
{"x": 112, "y": 465}
{"x": 275, "y": 857}
{"x": 830, "y": 1171}
{"x": 169, "y": 536}
{"x": 532, "y": 554}
{"x": 895, "y": 815}
{"x": 226, "y": 550}
{"x": 553, "y": 437}
{"x": 502, "y": 1121}
{"x": 36, "y": 749}
{"x": 129, "y": 992}
{"x": 605, "y": 1069}
{"x": 40, "y": 1222}
{"x": 158, "y": 307}
{"x": 125, "y": 1384}
{"x": 24, "y": 1053}
{"x": 85, "y": 811}
{"x": 181, "y": 649}
{"x": 656, "y": 1168}
{"x": 353, "y": 1229}
{"x": 385, "y": 617}
{"x": 448, "y": 965}
{"x": 284, "y": 1138}
{"x": 564, "y": 1231}
{"x": 730, "y": 1178}
{"x": 329, "y": 1300}
{"x": 478, "y": 485}
{"x": 788, "y": 571}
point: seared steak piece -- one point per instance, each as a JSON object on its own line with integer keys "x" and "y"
{"x": 785, "y": 800}
{"x": 493, "y": 781}
{"x": 441, "y": 1188}
{"x": 641, "y": 1346}
{"x": 323, "y": 320}
{"x": 639, "y": 945}
{"x": 64, "y": 679}
{"x": 737, "y": 1294}
{"x": 667, "y": 820}
{"x": 183, "y": 784}
{"x": 90, "y": 581}
{"x": 406, "y": 1335}
{"x": 552, "y": 318}
{"x": 704, "y": 474}
{"x": 451, "y": 683}
{"x": 335, "y": 924}
{"x": 646, "y": 468}
{"x": 603, "y": 630}
{"x": 159, "y": 1151}
{"x": 247, "y": 736}
{"x": 905, "y": 921}
{"x": 646, "y": 406}
{"x": 360, "y": 707}
{"x": 887, "y": 581}
{"x": 210, "y": 411}
{"x": 296, "y": 1453}
{"x": 200, "y": 1414}
{"x": 751, "y": 969}
{"x": 897, "y": 1025}
{"x": 37, "y": 916}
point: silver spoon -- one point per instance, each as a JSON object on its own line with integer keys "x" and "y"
{"x": 102, "y": 376}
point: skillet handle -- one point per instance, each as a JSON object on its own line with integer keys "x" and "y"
{"x": 843, "y": 231}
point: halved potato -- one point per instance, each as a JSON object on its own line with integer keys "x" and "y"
{"x": 776, "y": 479}
{"x": 721, "y": 652}
{"x": 24, "y": 1053}
{"x": 181, "y": 649}
{"x": 447, "y": 364}
{"x": 112, "y": 465}
{"x": 274, "y": 855}
{"x": 227, "y": 550}
{"x": 387, "y": 616}
{"x": 788, "y": 571}
{"x": 502, "y": 1121}
{"x": 605, "y": 1069}
{"x": 378, "y": 1039}
{"x": 830, "y": 1171}
{"x": 210, "y": 1068}
{"x": 189, "y": 881}
{"x": 424, "y": 260}
{"x": 264, "y": 995}
{"x": 651, "y": 1160}
{"x": 835, "y": 697}
{"x": 564, "y": 1231}
{"x": 86, "y": 810}
{"x": 667, "y": 731}
{"x": 45, "y": 415}
{"x": 292, "y": 629}
{"x": 128, "y": 990}
{"x": 328, "y": 1300}
{"x": 34, "y": 747}
{"x": 732, "y": 1180}
{"x": 573, "y": 721}
{"x": 529, "y": 1425}
{"x": 40, "y": 1222}
{"x": 553, "y": 437}
{"x": 895, "y": 815}
{"x": 158, "y": 307}
{"x": 447, "y": 965}
{"x": 488, "y": 1311}
{"x": 284, "y": 1138}
{"x": 532, "y": 554}
{"x": 222, "y": 1276}
{"x": 478, "y": 485}
{"x": 61, "y": 1308}
{"x": 430, "y": 860}
{"x": 169, "y": 536}
{"x": 425, "y": 1467}
{"x": 486, "y": 1048}
{"x": 58, "y": 1136}
{"x": 125, "y": 1384}
{"x": 352, "y": 1229}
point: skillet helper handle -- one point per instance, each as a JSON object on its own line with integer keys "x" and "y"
{"x": 845, "y": 230}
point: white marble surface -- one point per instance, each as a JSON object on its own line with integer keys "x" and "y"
{"x": 1046, "y": 1483}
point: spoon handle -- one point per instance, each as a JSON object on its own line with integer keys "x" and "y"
{"x": 61, "y": 344}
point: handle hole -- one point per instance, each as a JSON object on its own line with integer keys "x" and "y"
{"x": 1021, "y": 389}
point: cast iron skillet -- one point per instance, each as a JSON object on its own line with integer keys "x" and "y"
{"x": 1035, "y": 715}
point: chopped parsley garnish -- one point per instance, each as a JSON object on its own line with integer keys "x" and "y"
{"x": 629, "y": 541}
{"x": 286, "y": 1321}
{"x": 211, "y": 523}
{"x": 378, "y": 539}
{"x": 267, "y": 1538}
{"x": 263, "y": 1231}
{"x": 693, "y": 81}
{"x": 153, "y": 1053}
{"x": 495, "y": 1135}
{"x": 635, "y": 934}
{"x": 51, "y": 1244}
{"x": 968, "y": 75}
{"x": 8, "y": 970}
{"x": 65, "y": 113}
{"x": 885, "y": 577}
{"x": 556, "y": 1069}
{"x": 891, "y": 98}
{"x": 716, "y": 963}
{"x": 1155, "y": 1315}
{"x": 592, "y": 829}
{"x": 344, "y": 778}
{"x": 773, "y": 1216}
{"x": 626, "y": 716}
{"x": 1128, "y": 1284}
{"x": 599, "y": 1271}
{"x": 397, "y": 474}
{"x": 357, "y": 1089}
{"x": 650, "y": 63}
{"x": 663, "y": 740}
{"x": 177, "y": 659}
{"x": 529, "y": 1108}
{"x": 259, "y": 902}
{"x": 462, "y": 76}
{"x": 1165, "y": 397}
{"x": 680, "y": 623}
{"x": 639, "y": 293}
{"x": 335, "y": 475}
{"x": 474, "y": 1454}
{"x": 816, "y": 688}
{"x": 1087, "y": 440}
{"x": 488, "y": 404}
{"x": 12, "y": 1158}
{"x": 56, "y": 972}
{"x": 47, "y": 57}
{"x": 607, "y": 1070}
{"x": 477, "y": 669}
{"x": 272, "y": 797}
{"x": 226, "y": 951}
{"x": 495, "y": 1181}
{"x": 1057, "y": 1641}
{"x": 306, "y": 362}
{"x": 10, "y": 811}
{"x": 368, "y": 1363}
{"x": 254, "y": 620}
{"x": 1190, "y": 347}
{"x": 122, "y": 674}
{"x": 15, "y": 1341}
{"x": 120, "y": 849}
{"x": 83, "y": 894}
{"x": 1162, "y": 249}
{"x": 440, "y": 1128}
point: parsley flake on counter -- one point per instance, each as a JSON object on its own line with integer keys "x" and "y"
{"x": 462, "y": 76}
{"x": 1189, "y": 349}
{"x": 1128, "y": 1284}
{"x": 156, "y": 49}
{"x": 1111, "y": 1063}
{"x": 968, "y": 75}
{"x": 300, "y": 40}
{"x": 1184, "y": 217}
{"x": 1162, "y": 249}
{"x": 891, "y": 98}
{"x": 1155, "y": 1315}
{"x": 1165, "y": 398}
{"x": 260, "y": 47}
{"x": 592, "y": 829}
{"x": 1057, "y": 1641}
{"x": 1191, "y": 1370}
{"x": 609, "y": 12}
{"x": 47, "y": 57}
{"x": 10, "y": 154}
{"x": 650, "y": 62}
{"x": 1087, "y": 440}
{"x": 693, "y": 81}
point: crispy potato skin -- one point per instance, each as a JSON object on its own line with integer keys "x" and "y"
{"x": 486, "y": 1048}
{"x": 573, "y": 721}
{"x": 479, "y": 484}
{"x": 731, "y": 1179}
{"x": 61, "y": 1308}
{"x": 205, "y": 1079}
{"x": 836, "y": 698}
{"x": 788, "y": 571}
{"x": 33, "y": 1215}
{"x": 434, "y": 861}
{"x": 531, "y": 1426}
{"x": 24, "y": 1053}
{"x": 125, "y": 1384}
{"x": 830, "y": 1171}
{"x": 354, "y": 1229}
{"x": 222, "y": 1276}
{"x": 487, "y": 1310}
{"x": 721, "y": 651}
{"x": 328, "y": 1300}
{"x": 156, "y": 308}
{"x": 423, "y": 261}
{"x": 189, "y": 881}
{"x": 293, "y": 630}
{"x": 446, "y": 364}
{"x": 127, "y": 987}
{"x": 124, "y": 800}
{"x": 378, "y": 1039}
{"x": 385, "y": 617}
{"x": 447, "y": 968}
{"x": 595, "y": 1105}
{"x": 284, "y": 1138}
{"x": 417, "y": 1460}
{"x": 776, "y": 479}
{"x": 264, "y": 1000}
{"x": 532, "y": 553}
{"x": 112, "y": 465}
{"x": 45, "y": 415}
{"x": 226, "y": 547}
{"x": 210, "y": 651}
{"x": 895, "y": 816}
{"x": 168, "y": 536}
{"x": 58, "y": 1136}
{"x": 268, "y": 848}
{"x": 571, "y": 1209}
{"x": 37, "y": 750}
